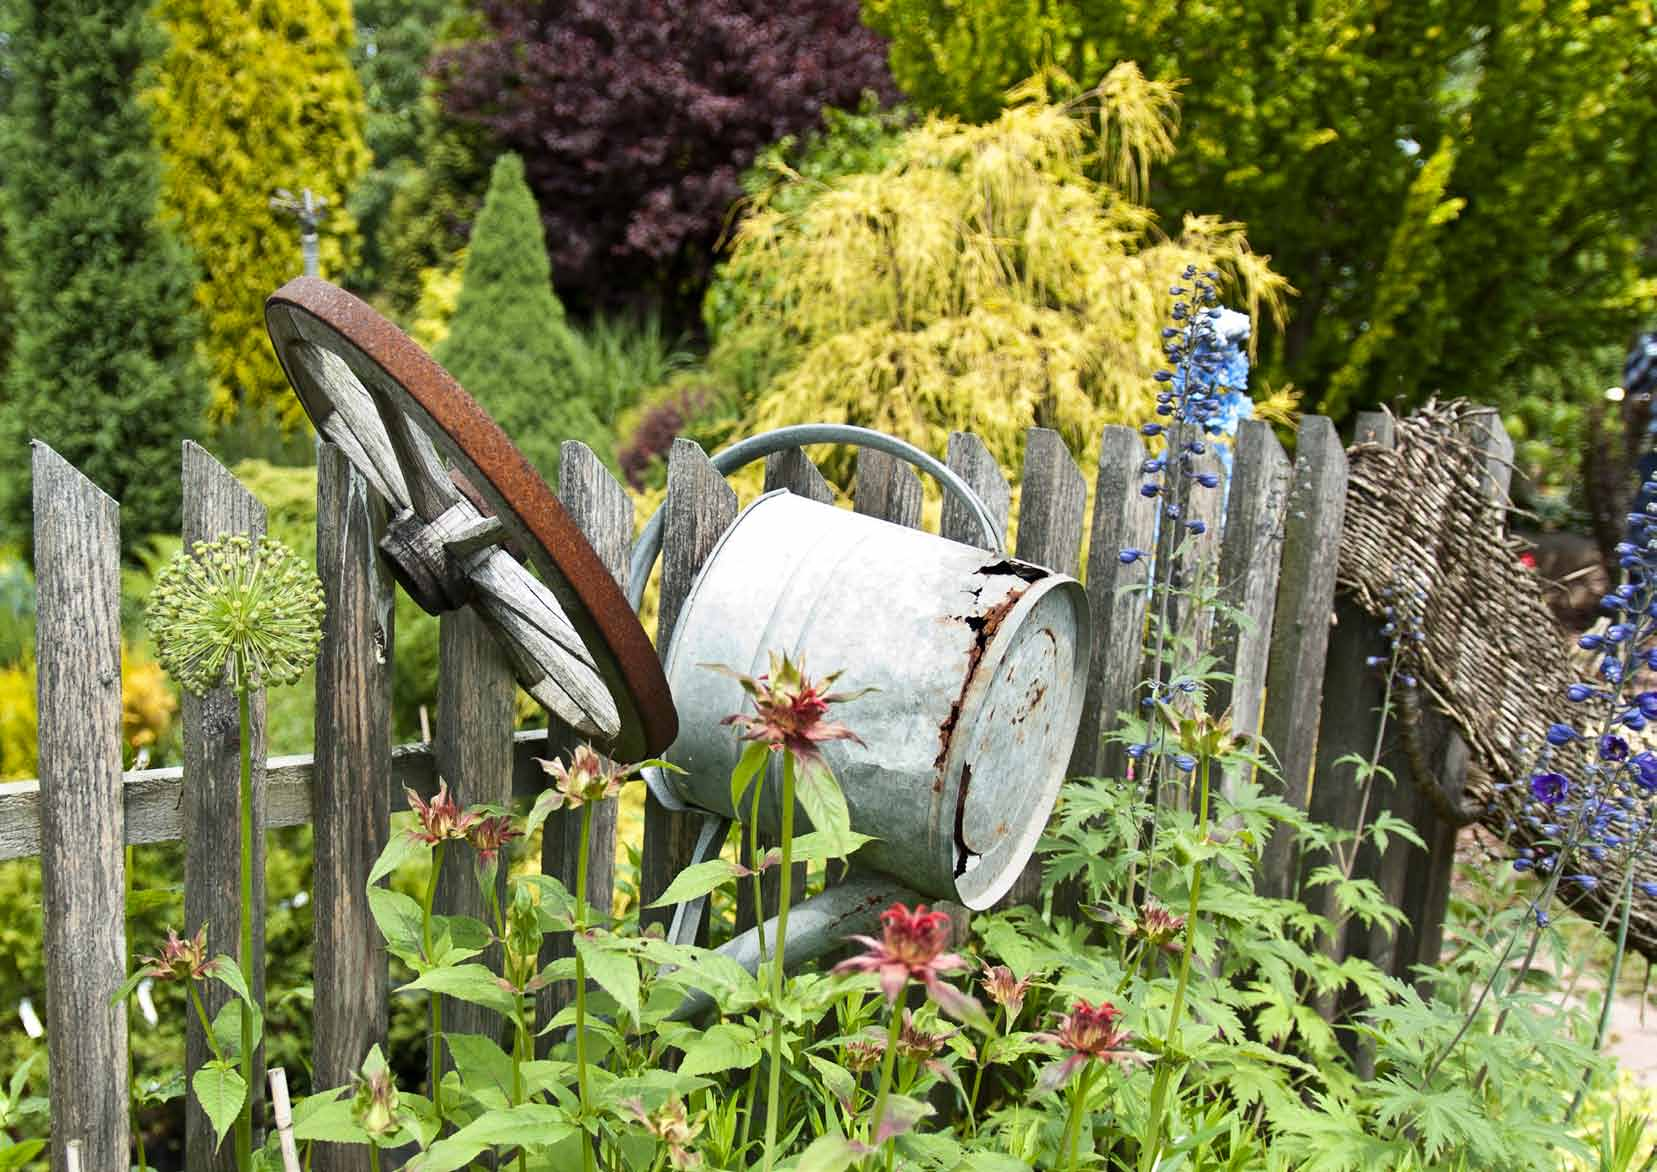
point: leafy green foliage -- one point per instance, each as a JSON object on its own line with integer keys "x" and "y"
{"x": 1464, "y": 179}
{"x": 979, "y": 280}
{"x": 249, "y": 98}
{"x": 508, "y": 342}
{"x": 102, "y": 362}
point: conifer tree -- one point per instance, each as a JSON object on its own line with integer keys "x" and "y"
{"x": 252, "y": 96}
{"x": 508, "y": 343}
{"x": 103, "y": 351}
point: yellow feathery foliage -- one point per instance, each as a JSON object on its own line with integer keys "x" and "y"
{"x": 148, "y": 705}
{"x": 439, "y": 295}
{"x": 981, "y": 280}
{"x": 252, "y": 96}
{"x": 17, "y": 721}
{"x": 148, "y": 710}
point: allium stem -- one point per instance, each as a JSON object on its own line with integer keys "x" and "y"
{"x": 773, "y": 1098}
{"x": 244, "y": 959}
{"x": 436, "y": 1054}
{"x": 756, "y": 858}
{"x": 581, "y": 979}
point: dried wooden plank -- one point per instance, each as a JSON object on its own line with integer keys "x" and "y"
{"x": 602, "y": 510}
{"x": 969, "y": 459}
{"x": 700, "y": 507}
{"x": 794, "y": 471}
{"x": 1251, "y": 547}
{"x": 887, "y": 488}
{"x": 154, "y": 798}
{"x": 1122, "y": 519}
{"x": 216, "y": 505}
{"x": 1052, "y": 499}
{"x": 352, "y": 777}
{"x": 473, "y": 743}
{"x": 1052, "y": 502}
{"x": 78, "y": 692}
{"x": 1300, "y": 630}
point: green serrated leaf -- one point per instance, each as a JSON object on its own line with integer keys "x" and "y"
{"x": 220, "y": 1091}
{"x": 819, "y": 794}
{"x": 698, "y": 880}
{"x": 615, "y": 970}
{"x": 820, "y": 846}
{"x": 527, "y": 1124}
{"x": 727, "y": 1046}
{"x": 227, "y": 1026}
{"x": 747, "y": 768}
{"x": 399, "y": 919}
{"x": 482, "y": 1064}
{"x": 402, "y": 847}
{"x": 468, "y": 982}
{"x": 229, "y": 973}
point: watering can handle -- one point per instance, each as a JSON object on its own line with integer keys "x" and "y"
{"x": 781, "y": 440}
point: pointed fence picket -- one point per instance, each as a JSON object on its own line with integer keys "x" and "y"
{"x": 1276, "y": 548}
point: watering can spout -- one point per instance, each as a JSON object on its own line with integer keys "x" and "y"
{"x": 815, "y": 928}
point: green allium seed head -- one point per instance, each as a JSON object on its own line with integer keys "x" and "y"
{"x": 234, "y": 610}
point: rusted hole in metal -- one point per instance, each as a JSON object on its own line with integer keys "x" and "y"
{"x": 962, "y": 851}
{"x": 1017, "y": 569}
{"x": 983, "y": 628}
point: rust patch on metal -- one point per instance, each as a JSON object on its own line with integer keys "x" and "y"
{"x": 961, "y": 849}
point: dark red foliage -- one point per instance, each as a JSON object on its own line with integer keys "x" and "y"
{"x": 655, "y": 434}
{"x": 635, "y": 118}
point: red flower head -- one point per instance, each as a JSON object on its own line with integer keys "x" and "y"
{"x": 442, "y": 818}
{"x": 181, "y": 960}
{"x": 1087, "y": 1032}
{"x": 1160, "y": 927}
{"x": 1000, "y": 986}
{"x": 911, "y": 948}
{"x": 789, "y": 709}
{"x": 671, "y": 1124}
{"x": 589, "y": 777}
{"x": 487, "y": 835}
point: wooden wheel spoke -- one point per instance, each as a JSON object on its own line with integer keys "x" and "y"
{"x": 431, "y": 492}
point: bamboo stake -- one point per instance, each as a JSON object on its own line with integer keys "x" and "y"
{"x": 284, "y": 1118}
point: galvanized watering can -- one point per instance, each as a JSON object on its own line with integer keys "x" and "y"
{"x": 980, "y": 665}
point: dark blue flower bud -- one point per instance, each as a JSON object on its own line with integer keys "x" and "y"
{"x": 1208, "y": 480}
{"x": 1148, "y": 490}
{"x": 1590, "y": 642}
{"x": 1645, "y": 771}
{"x": 1185, "y": 762}
{"x": 1618, "y": 632}
{"x": 1129, "y": 556}
{"x": 1561, "y": 734}
{"x": 1578, "y": 692}
{"x": 1196, "y": 527}
{"x": 1150, "y": 429}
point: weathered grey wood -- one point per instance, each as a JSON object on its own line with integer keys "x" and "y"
{"x": 1051, "y": 505}
{"x": 602, "y": 510}
{"x": 1251, "y": 548}
{"x": 1300, "y": 630}
{"x": 475, "y": 694}
{"x": 352, "y": 777}
{"x": 154, "y": 798}
{"x": 887, "y": 488}
{"x": 216, "y": 505}
{"x": 1122, "y": 519}
{"x": 969, "y": 459}
{"x": 1052, "y": 500}
{"x": 700, "y": 507}
{"x": 793, "y": 470}
{"x": 78, "y": 695}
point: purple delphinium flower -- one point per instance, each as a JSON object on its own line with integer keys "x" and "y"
{"x": 1549, "y": 788}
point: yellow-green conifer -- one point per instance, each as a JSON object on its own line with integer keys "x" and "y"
{"x": 252, "y": 96}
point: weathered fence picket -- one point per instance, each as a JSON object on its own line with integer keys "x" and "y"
{"x": 350, "y": 782}
{"x": 216, "y": 505}
{"x": 83, "y": 867}
{"x": 1276, "y": 561}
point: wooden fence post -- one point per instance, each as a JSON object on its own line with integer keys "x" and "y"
{"x": 1122, "y": 519}
{"x": 1300, "y": 631}
{"x": 83, "y": 832}
{"x": 602, "y": 510}
{"x": 216, "y": 505}
{"x": 473, "y": 745}
{"x": 1251, "y": 548}
{"x": 1052, "y": 502}
{"x": 969, "y": 459}
{"x": 700, "y": 507}
{"x": 351, "y": 782}
{"x": 887, "y": 488}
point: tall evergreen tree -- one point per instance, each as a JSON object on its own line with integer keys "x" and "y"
{"x": 252, "y": 96}
{"x": 103, "y": 363}
{"x": 509, "y": 342}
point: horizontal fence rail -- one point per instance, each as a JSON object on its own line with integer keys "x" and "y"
{"x": 1273, "y": 542}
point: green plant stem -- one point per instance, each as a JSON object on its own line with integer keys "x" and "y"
{"x": 983, "y": 1061}
{"x": 244, "y": 1121}
{"x": 1610, "y": 989}
{"x": 581, "y": 980}
{"x": 206, "y": 1025}
{"x": 888, "y": 1060}
{"x": 436, "y": 999}
{"x": 1078, "y": 1108}
{"x": 773, "y": 1098}
{"x": 373, "y": 1158}
{"x": 755, "y": 859}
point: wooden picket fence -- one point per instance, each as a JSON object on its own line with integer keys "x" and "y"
{"x": 1297, "y": 669}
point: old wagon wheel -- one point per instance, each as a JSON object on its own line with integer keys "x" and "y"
{"x": 463, "y": 501}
